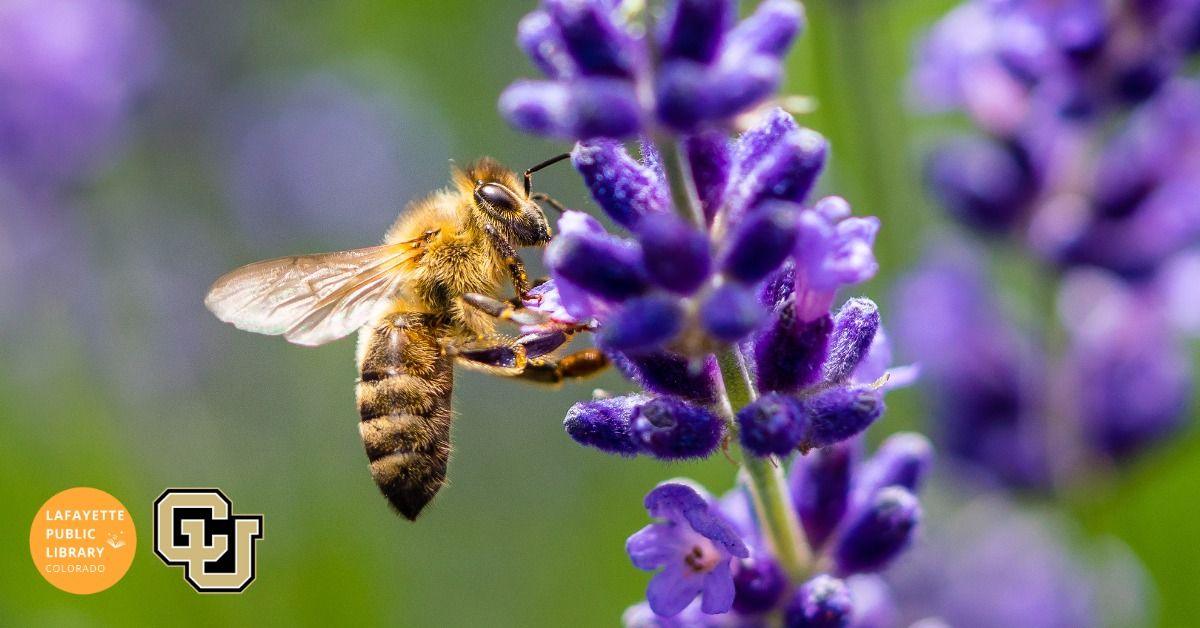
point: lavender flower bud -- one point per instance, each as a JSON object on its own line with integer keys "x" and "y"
{"x": 902, "y": 460}
{"x": 1140, "y": 80}
{"x": 670, "y": 374}
{"x": 758, "y": 584}
{"x": 672, "y": 429}
{"x": 837, "y": 413}
{"x": 693, "y": 28}
{"x": 879, "y": 532}
{"x": 623, "y": 188}
{"x": 709, "y": 158}
{"x": 686, "y": 98}
{"x": 984, "y": 184}
{"x": 771, "y": 425}
{"x": 676, "y": 254}
{"x": 789, "y": 353}
{"x": 601, "y": 264}
{"x": 823, "y": 602}
{"x": 752, "y": 145}
{"x": 820, "y": 487}
{"x": 643, "y": 324}
{"x": 770, "y": 30}
{"x": 597, "y": 44}
{"x": 731, "y": 312}
{"x": 588, "y": 107}
{"x": 786, "y": 170}
{"x": 540, "y": 38}
{"x": 854, "y": 329}
{"x": 761, "y": 242}
{"x": 605, "y": 423}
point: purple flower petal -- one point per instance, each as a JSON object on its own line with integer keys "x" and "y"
{"x": 718, "y": 591}
{"x": 653, "y": 546}
{"x": 672, "y": 589}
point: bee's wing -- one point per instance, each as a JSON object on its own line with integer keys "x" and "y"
{"x": 313, "y": 299}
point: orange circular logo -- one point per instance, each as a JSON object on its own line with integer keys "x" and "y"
{"x": 82, "y": 540}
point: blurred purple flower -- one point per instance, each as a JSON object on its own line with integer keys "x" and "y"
{"x": 990, "y": 565}
{"x": 69, "y": 73}
{"x": 984, "y": 375}
{"x": 1132, "y": 377}
{"x": 1090, "y": 128}
{"x": 1122, "y": 383}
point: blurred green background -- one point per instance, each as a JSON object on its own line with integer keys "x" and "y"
{"x": 280, "y": 127}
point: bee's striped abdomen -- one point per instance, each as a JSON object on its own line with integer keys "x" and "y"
{"x": 405, "y": 381}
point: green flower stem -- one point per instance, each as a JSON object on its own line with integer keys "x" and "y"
{"x": 772, "y": 500}
{"x": 679, "y": 179}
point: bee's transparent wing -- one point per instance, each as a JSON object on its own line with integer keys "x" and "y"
{"x": 313, "y": 299}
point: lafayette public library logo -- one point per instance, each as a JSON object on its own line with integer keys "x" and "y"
{"x": 195, "y": 528}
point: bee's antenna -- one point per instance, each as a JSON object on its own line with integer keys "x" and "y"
{"x": 544, "y": 164}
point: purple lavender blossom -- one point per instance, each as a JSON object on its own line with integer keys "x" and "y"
{"x": 603, "y": 82}
{"x": 693, "y": 545}
{"x": 69, "y": 73}
{"x": 764, "y": 223}
{"x": 716, "y": 299}
{"x": 1123, "y": 382}
{"x": 986, "y": 563}
{"x": 1132, "y": 377}
{"x": 982, "y": 372}
{"x": 1048, "y": 84}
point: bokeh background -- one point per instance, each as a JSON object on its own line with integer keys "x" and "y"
{"x": 228, "y": 131}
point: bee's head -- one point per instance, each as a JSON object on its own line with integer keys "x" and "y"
{"x": 498, "y": 200}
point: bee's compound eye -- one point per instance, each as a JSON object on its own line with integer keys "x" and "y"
{"x": 498, "y": 196}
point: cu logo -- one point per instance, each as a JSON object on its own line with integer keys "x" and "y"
{"x": 196, "y": 528}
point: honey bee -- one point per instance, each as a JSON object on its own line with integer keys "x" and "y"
{"x": 426, "y": 298}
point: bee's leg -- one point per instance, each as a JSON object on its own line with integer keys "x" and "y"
{"x": 549, "y": 200}
{"x": 516, "y": 266}
{"x": 523, "y": 357}
{"x": 503, "y": 310}
{"x": 583, "y": 363}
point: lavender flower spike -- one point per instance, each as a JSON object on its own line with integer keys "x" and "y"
{"x": 708, "y": 69}
{"x": 693, "y": 545}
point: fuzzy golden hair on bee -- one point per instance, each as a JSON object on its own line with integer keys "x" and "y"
{"x": 484, "y": 170}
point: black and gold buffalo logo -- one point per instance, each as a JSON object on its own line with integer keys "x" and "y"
{"x": 196, "y": 528}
